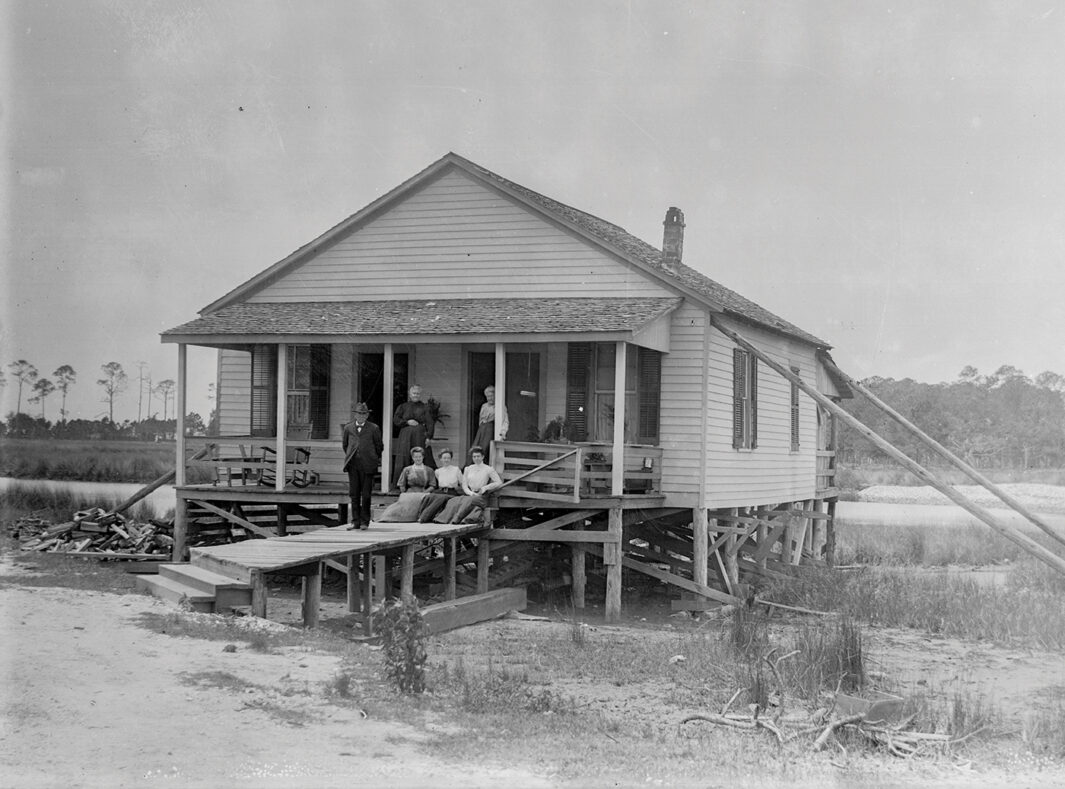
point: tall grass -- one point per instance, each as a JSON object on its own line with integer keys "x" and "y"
{"x": 58, "y": 505}
{"x": 970, "y": 544}
{"x": 854, "y": 478}
{"x": 87, "y": 461}
{"x": 1021, "y": 613}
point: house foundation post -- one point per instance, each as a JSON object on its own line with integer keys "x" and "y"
{"x": 482, "y": 564}
{"x": 578, "y": 570}
{"x": 181, "y": 528}
{"x": 700, "y": 542}
{"x": 612, "y": 556}
{"x": 367, "y": 593}
{"x": 312, "y": 595}
{"x": 353, "y": 584}
{"x": 406, "y": 576}
{"x": 258, "y": 594}
{"x": 450, "y": 563}
{"x": 731, "y": 552}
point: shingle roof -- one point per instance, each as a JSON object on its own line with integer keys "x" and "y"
{"x": 439, "y": 316}
{"x": 631, "y": 246}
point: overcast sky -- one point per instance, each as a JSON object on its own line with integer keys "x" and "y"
{"x": 888, "y": 177}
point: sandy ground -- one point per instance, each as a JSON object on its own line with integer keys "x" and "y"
{"x": 90, "y": 698}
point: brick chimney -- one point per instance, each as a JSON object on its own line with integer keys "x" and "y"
{"x": 673, "y": 239}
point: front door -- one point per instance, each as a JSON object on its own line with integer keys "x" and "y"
{"x": 522, "y": 397}
{"x": 371, "y": 384}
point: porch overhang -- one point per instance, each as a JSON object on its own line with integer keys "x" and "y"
{"x": 640, "y": 321}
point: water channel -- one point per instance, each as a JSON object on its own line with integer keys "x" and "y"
{"x": 847, "y": 512}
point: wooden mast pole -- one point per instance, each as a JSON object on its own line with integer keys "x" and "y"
{"x": 1024, "y": 541}
{"x": 945, "y": 453}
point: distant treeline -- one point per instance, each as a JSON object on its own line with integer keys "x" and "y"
{"x": 26, "y": 426}
{"x": 1002, "y": 420}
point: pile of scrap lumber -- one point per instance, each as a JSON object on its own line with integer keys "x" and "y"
{"x": 96, "y": 532}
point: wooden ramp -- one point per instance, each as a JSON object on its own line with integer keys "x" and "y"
{"x": 356, "y": 553}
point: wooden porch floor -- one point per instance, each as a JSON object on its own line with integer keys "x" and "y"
{"x": 241, "y": 559}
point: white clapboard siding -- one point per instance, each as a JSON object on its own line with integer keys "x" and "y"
{"x": 234, "y": 392}
{"x": 682, "y": 403}
{"x": 456, "y": 238}
{"x": 772, "y": 472}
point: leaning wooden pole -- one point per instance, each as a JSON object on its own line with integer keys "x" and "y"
{"x": 1025, "y": 542}
{"x": 151, "y": 487}
{"x": 945, "y": 453}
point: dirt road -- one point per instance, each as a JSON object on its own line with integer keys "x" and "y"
{"x": 91, "y": 699}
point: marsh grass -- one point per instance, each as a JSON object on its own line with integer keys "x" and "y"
{"x": 947, "y": 604}
{"x": 87, "y": 461}
{"x": 854, "y": 478}
{"x": 59, "y": 506}
{"x": 921, "y": 545}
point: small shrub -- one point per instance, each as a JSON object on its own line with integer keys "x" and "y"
{"x": 403, "y": 638}
{"x": 340, "y": 685}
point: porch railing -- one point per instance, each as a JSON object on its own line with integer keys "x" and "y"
{"x": 582, "y": 470}
{"x": 249, "y": 460}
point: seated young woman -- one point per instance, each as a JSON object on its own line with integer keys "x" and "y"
{"x": 478, "y": 480}
{"x": 415, "y": 483}
{"x": 448, "y": 485}
{"x": 416, "y": 477}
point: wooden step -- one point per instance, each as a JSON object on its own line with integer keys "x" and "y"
{"x": 226, "y": 590}
{"x": 220, "y": 566}
{"x": 175, "y": 592}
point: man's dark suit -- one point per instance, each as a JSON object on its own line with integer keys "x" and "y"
{"x": 363, "y": 446}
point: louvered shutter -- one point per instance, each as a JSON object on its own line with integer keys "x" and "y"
{"x": 795, "y": 414}
{"x": 264, "y": 390}
{"x": 578, "y": 368}
{"x": 739, "y": 389}
{"x": 320, "y": 359}
{"x": 754, "y": 399}
{"x": 649, "y": 392}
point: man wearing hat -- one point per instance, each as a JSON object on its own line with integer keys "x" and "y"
{"x": 363, "y": 446}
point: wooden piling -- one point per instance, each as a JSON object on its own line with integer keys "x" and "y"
{"x": 612, "y": 560}
{"x": 312, "y": 595}
{"x": 700, "y": 540}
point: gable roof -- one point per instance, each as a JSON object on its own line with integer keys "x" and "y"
{"x": 609, "y": 236}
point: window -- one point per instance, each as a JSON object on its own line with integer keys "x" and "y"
{"x": 590, "y": 392}
{"x": 263, "y": 390}
{"x": 307, "y": 396}
{"x": 795, "y": 414}
{"x": 744, "y": 400}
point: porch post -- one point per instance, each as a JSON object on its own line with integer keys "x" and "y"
{"x": 387, "y": 408}
{"x": 617, "y": 466}
{"x": 179, "y": 438}
{"x": 282, "y": 414}
{"x": 501, "y": 394}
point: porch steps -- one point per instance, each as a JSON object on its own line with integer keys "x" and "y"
{"x": 204, "y": 590}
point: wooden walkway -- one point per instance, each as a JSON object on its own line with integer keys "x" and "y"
{"x": 355, "y": 553}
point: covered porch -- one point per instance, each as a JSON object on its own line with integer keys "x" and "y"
{"x": 286, "y": 388}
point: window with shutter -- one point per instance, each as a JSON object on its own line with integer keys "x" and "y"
{"x": 320, "y": 361}
{"x": 649, "y": 394}
{"x": 795, "y": 414}
{"x": 744, "y": 400}
{"x": 264, "y": 390}
{"x": 578, "y": 367}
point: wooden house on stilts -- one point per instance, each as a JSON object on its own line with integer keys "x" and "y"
{"x": 644, "y": 435}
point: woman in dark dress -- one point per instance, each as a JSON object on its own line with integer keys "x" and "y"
{"x": 415, "y": 425}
